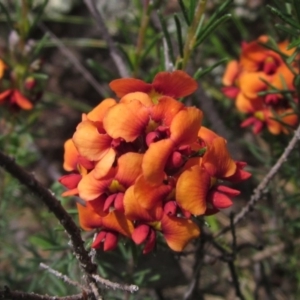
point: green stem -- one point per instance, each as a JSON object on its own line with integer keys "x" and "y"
{"x": 191, "y": 35}
{"x": 141, "y": 36}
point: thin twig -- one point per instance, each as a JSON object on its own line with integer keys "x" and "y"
{"x": 116, "y": 286}
{"x": 17, "y": 295}
{"x": 235, "y": 280}
{"x": 232, "y": 228}
{"x": 65, "y": 278}
{"x": 268, "y": 252}
{"x": 114, "y": 52}
{"x": 54, "y": 206}
{"x": 199, "y": 255}
{"x": 94, "y": 288}
{"x": 74, "y": 60}
{"x": 231, "y": 266}
{"x": 258, "y": 192}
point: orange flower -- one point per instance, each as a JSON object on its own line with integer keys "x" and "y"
{"x": 162, "y": 153}
{"x": 2, "y": 68}
{"x": 176, "y": 84}
{"x": 76, "y": 164}
{"x": 15, "y": 99}
{"x": 144, "y": 165}
{"x": 110, "y": 190}
{"x": 260, "y": 69}
{"x": 112, "y": 224}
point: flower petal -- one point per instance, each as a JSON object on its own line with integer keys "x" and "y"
{"x": 191, "y": 190}
{"x": 104, "y": 165}
{"x": 248, "y": 105}
{"x": 129, "y": 168}
{"x": 70, "y": 181}
{"x": 5, "y": 94}
{"x": 134, "y": 211}
{"x": 219, "y": 200}
{"x": 137, "y": 96}
{"x": 90, "y": 143}
{"x": 217, "y": 160}
{"x": 148, "y": 195}
{"x": 70, "y": 156}
{"x": 117, "y": 221}
{"x": 129, "y": 85}
{"x": 21, "y": 100}
{"x": 91, "y": 188}
{"x": 207, "y": 135}
{"x": 231, "y": 73}
{"x": 88, "y": 218}
{"x": 140, "y": 233}
{"x": 178, "y": 232}
{"x": 126, "y": 120}
{"x": 174, "y": 84}
{"x": 165, "y": 110}
{"x": 155, "y": 160}
{"x": 252, "y": 83}
{"x": 185, "y": 126}
{"x": 98, "y": 113}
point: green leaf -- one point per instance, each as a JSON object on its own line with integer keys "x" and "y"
{"x": 200, "y": 73}
{"x": 284, "y": 17}
{"x": 294, "y": 43}
{"x": 192, "y": 9}
{"x": 167, "y": 37}
{"x": 179, "y": 35}
{"x": 41, "y": 242}
{"x": 288, "y": 30}
{"x": 40, "y": 11}
{"x": 40, "y": 45}
{"x": 184, "y": 12}
{"x": 151, "y": 45}
{"x": 101, "y": 72}
{"x": 221, "y": 10}
{"x": 8, "y": 19}
{"x": 208, "y": 30}
{"x": 296, "y": 5}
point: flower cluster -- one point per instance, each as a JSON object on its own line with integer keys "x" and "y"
{"x": 261, "y": 84}
{"x": 19, "y": 89}
{"x": 144, "y": 165}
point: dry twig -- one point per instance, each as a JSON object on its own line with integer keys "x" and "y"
{"x": 54, "y": 206}
{"x": 259, "y": 191}
{"x": 17, "y": 295}
{"x": 114, "y": 52}
{"x": 73, "y": 59}
{"x": 116, "y": 286}
{"x": 65, "y": 278}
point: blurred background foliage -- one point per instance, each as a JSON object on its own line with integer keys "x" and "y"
{"x": 267, "y": 256}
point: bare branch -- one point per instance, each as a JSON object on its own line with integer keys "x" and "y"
{"x": 114, "y": 52}
{"x": 265, "y": 253}
{"x": 54, "y": 206}
{"x": 235, "y": 280}
{"x": 73, "y": 59}
{"x": 17, "y": 295}
{"x": 65, "y": 278}
{"x": 258, "y": 192}
{"x": 116, "y": 286}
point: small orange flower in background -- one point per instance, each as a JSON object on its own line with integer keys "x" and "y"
{"x": 18, "y": 94}
{"x": 13, "y": 97}
{"x": 146, "y": 168}
{"x": 256, "y": 82}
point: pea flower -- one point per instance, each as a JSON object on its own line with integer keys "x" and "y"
{"x": 145, "y": 168}
{"x": 256, "y": 82}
